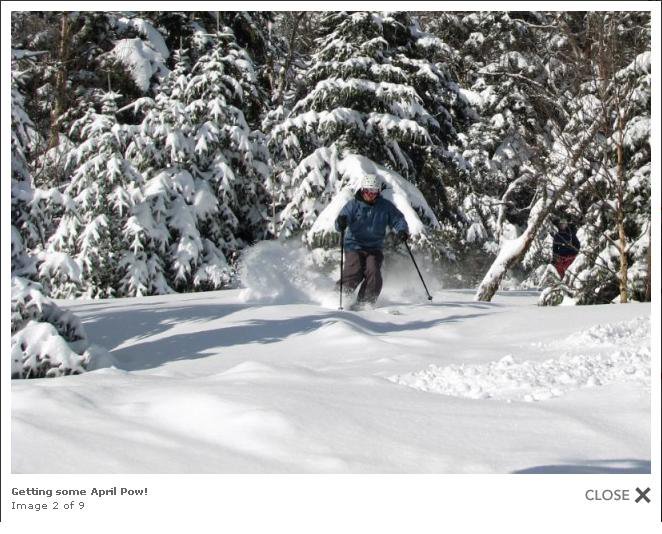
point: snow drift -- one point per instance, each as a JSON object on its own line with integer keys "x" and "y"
{"x": 288, "y": 387}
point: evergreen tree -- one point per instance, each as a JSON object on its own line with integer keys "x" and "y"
{"x": 613, "y": 208}
{"x": 473, "y": 120}
{"x": 46, "y": 341}
{"x": 205, "y": 167}
{"x": 23, "y": 139}
{"x": 93, "y": 232}
{"x": 76, "y": 61}
{"x": 369, "y": 91}
{"x": 582, "y": 134}
{"x": 506, "y": 61}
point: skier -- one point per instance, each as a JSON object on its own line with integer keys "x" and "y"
{"x": 565, "y": 247}
{"x": 364, "y": 220}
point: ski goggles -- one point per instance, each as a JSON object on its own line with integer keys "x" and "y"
{"x": 370, "y": 192}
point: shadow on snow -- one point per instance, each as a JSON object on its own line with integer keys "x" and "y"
{"x": 592, "y": 467}
{"x": 113, "y": 329}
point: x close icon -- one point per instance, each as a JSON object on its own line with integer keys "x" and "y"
{"x": 642, "y": 495}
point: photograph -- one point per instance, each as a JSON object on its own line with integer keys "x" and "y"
{"x": 330, "y": 243}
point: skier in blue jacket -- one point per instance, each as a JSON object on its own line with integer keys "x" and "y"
{"x": 364, "y": 220}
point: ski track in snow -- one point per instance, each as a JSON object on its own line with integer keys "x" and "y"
{"x": 624, "y": 356}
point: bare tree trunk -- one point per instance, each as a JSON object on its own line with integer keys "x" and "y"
{"x": 511, "y": 257}
{"x": 620, "y": 224}
{"x": 648, "y": 267}
{"x": 506, "y": 260}
{"x": 61, "y": 79}
{"x": 273, "y": 210}
{"x": 298, "y": 17}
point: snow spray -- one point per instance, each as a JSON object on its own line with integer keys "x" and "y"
{"x": 273, "y": 272}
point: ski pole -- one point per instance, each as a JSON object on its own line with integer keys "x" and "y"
{"x": 417, "y": 270}
{"x": 342, "y": 255}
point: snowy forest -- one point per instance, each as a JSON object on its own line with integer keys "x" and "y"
{"x": 151, "y": 149}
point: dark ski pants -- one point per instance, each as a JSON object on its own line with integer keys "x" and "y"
{"x": 363, "y": 265}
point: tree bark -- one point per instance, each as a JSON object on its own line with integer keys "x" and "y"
{"x": 620, "y": 224}
{"x": 648, "y": 267}
{"x": 290, "y": 54}
{"x": 61, "y": 80}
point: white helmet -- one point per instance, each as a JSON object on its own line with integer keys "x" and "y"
{"x": 370, "y": 181}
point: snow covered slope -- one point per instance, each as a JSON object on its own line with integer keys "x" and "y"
{"x": 210, "y": 383}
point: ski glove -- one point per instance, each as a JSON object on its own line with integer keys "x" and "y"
{"x": 341, "y": 221}
{"x": 402, "y": 237}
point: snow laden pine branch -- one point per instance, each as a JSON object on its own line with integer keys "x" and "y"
{"x": 512, "y": 252}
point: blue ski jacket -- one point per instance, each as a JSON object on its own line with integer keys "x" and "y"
{"x": 366, "y": 223}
